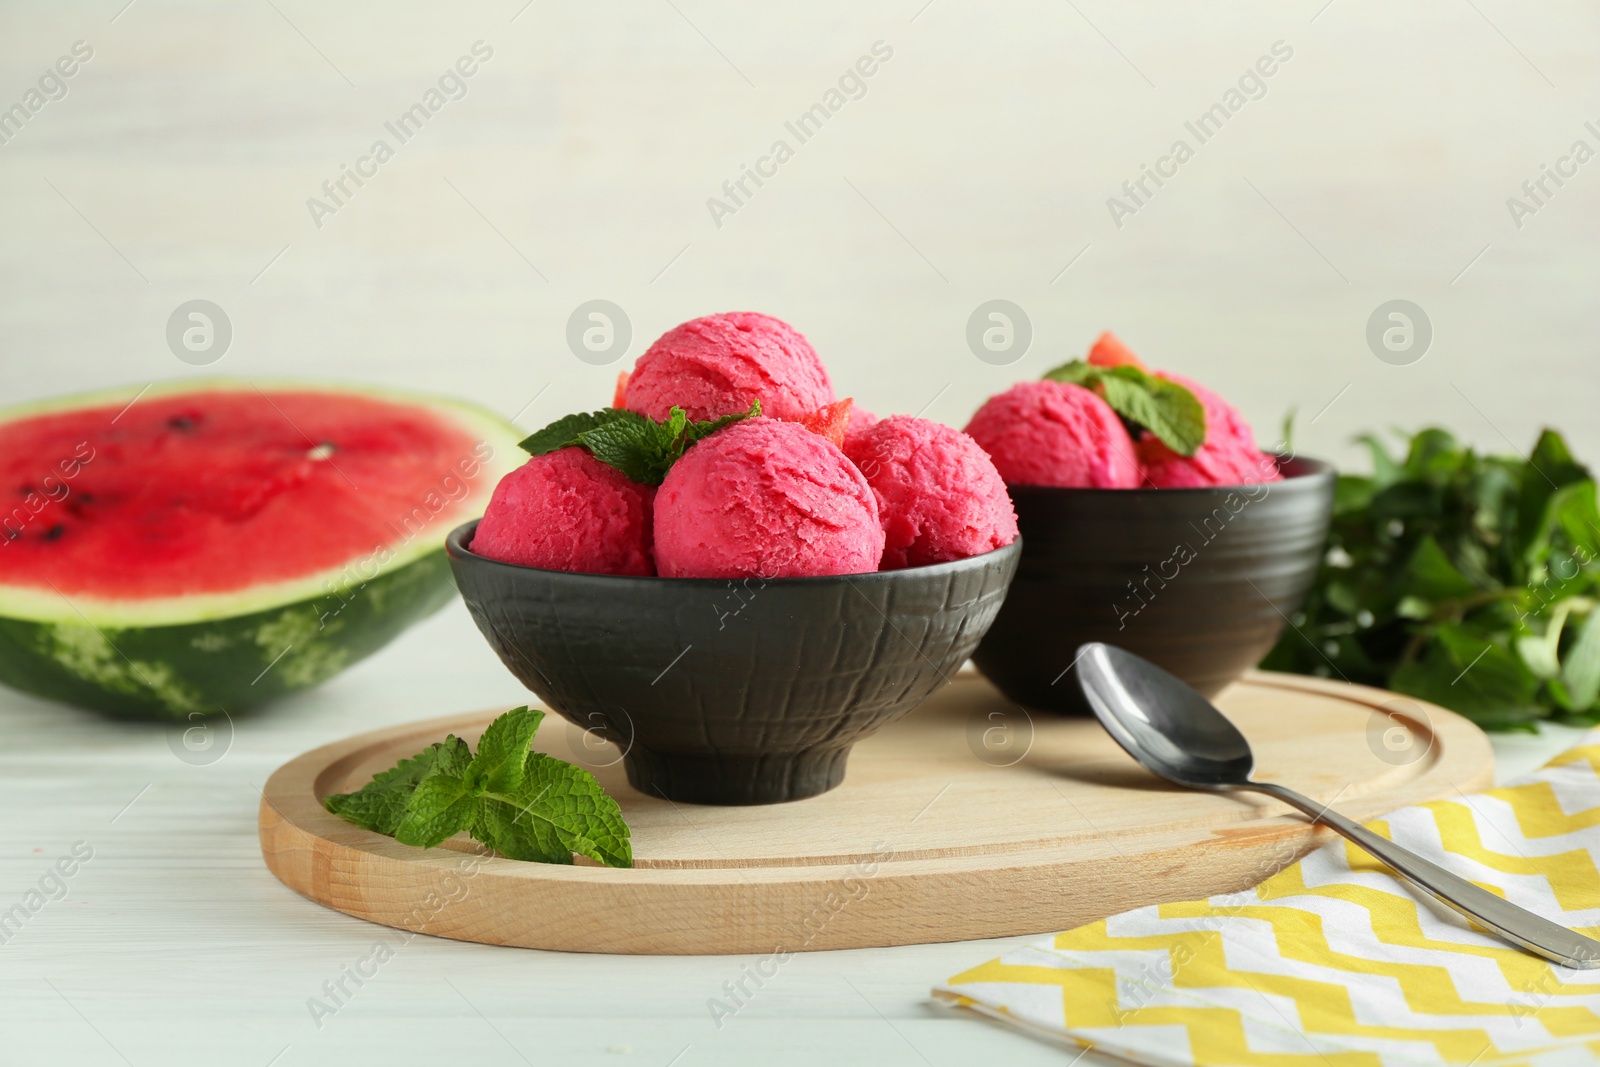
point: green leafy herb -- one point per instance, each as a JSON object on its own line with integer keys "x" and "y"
{"x": 641, "y": 447}
{"x": 1165, "y": 408}
{"x": 523, "y": 804}
{"x": 565, "y": 430}
{"x": 1468, "y": 580}
{"x": 381, "y": 803}
{"x": 697, "y": 430}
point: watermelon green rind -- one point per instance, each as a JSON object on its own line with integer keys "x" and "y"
{"x": 178, "y": 657}
{"x": 205, "y": 668}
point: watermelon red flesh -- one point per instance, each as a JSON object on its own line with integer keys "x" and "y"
{"x": 214, "y": 492}
{"x": 211, "y": 547}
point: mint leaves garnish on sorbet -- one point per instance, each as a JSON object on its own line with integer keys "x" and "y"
{"x": 523, "y": 804}
{"x": 637, "y": 445}
{"x": 1165, "y": 408}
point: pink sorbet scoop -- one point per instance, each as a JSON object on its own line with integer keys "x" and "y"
{"x": 1053, "y": 433}
{"x": 765, "y": 499}
{"x": 718, "y": 364}
{"x": 567, "y": 511}
{"x": 939, "y": 495}
{"x": 1228, "y": 457}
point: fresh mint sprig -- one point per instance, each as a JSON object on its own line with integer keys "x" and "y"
{"x": 1464, "y": 579}
{"x": 1168, "y": 410}
{"x": 566, "y": 430}
{"x": 641, "y": 447}
{"x": 523, "y": 804}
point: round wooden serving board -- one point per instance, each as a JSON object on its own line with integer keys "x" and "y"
{"x": 966, "y": 819}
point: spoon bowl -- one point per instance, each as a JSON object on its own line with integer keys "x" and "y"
{"x": 1170, "y": 729}
{"x": 1162, "y": 721}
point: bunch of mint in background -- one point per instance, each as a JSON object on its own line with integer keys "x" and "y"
{"x": 641, "y": 447}
{"x": 523, "y": 804}
{"x": 1169, "y": 411}
{"x": 1470, "y": 581}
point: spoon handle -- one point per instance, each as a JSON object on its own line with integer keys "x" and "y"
{"x": 1517, "y": 925}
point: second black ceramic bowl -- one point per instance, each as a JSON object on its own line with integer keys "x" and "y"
{"x": 733, "y": 692}
{"x": 1200, "y": 581}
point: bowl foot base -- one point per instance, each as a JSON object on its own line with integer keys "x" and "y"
{"x": 733, "y": 779}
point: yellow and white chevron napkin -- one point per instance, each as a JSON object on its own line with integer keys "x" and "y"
{"x": 1334, "y": 962}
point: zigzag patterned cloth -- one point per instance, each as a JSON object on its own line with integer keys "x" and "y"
{"x": 1333, "y": 961}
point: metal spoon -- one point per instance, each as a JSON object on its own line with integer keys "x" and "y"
{"x": 1177, "y": 733}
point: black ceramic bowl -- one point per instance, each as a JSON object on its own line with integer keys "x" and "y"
{"x": 1200, "y": 581}
{"x": 733, "y": 692}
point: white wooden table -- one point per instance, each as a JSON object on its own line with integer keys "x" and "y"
{"x": 173, "y": 945}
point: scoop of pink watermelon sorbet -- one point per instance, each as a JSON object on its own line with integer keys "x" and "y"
{"x": 939, "y": 495}
{"x": 1229, "y": 455}
{"x": 765, "y": 499}
{"x": 1054, "y": 433}
{"x": 861, "y": 420}
{"x": 718, "y": 364}
{"x": 567, "y": 511}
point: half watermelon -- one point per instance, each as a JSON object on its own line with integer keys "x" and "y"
{"x": 199, "y": 547}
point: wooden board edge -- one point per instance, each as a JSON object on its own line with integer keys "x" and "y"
{"x": 861, "y": 906}
{"x": 829, "y": 907}
{"x": 1452, "y": 730}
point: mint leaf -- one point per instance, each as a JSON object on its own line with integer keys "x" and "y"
{"x": 1551, "y": 467}
{"x": 645, "y": 449}
{"x": 440, "y": 808}
{"x": 452, "y": 758}
{"x": 1077, "y": 372}
{"x": 637, "y": 446}
{"x": 697, "y": 430}
{"x": 1473, "y": 675}
{"x": 1572, "y": 514}
{"x": 1385, "y": 471}
{"x": 1433, "y": 577}
{"x": 1580, "y": 672}
{"x": 566, "y": 430}
{"x": 634, "y": 444}
{"x": 1169, "y": 411}
{"x": 558, "y": 810}
{"x": 674, "y": 425}
{"x": 1435, "y": 453}
{"x": 1445, "y": 555}
{"x": 497, "y": 768}
{"x": 381, "y": 803}
{"x": 506, "y": 826}
{"x": 523, "y": 804}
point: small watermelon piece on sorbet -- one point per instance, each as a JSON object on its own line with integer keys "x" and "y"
{"x": 830, "y": 420}
{"x": 1109, "y": 351}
